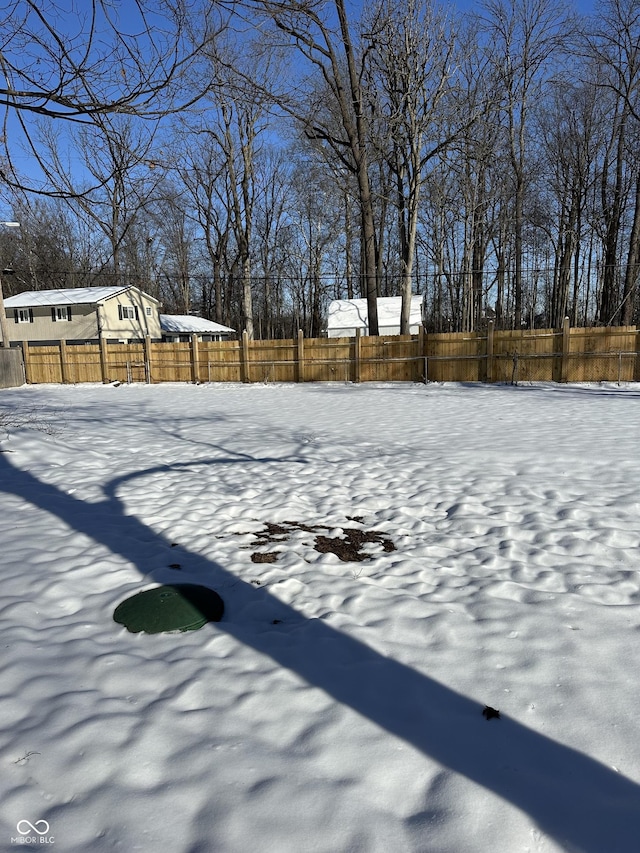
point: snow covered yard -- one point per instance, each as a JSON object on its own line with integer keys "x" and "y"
{"x": 338, "y": 705}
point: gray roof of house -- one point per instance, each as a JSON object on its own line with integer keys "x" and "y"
{"x": 65, "y": 296}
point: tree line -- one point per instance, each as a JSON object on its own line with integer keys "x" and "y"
{"x": 250, "y": 161}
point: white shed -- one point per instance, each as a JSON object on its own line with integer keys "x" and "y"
{"x": 347, "y": 315}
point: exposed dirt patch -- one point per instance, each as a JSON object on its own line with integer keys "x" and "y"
{"x": 280, "y": 532}
{"x": 269, "y": 557}
{"x": 347, "y": 548}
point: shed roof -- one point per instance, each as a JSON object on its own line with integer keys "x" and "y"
{"x": 67, "y": 296}
{"x": 188, "y": 324}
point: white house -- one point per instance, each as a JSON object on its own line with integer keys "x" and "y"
{"x": 347, "y": 315}
{"x": 83, "y": 315}
{"x": 180, "y": 327}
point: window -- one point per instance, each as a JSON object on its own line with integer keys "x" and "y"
{"x": 127, "y": 312}
{"x": 148, "y": 311}
{"x": 23, "y": 315}
{"x": 58, "y": 314}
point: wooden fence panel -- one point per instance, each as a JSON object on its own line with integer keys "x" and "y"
{"x": 219, "y": 361}
{"x": 83, "y": 364}
{"x": 44, "y": 365}
{"x": 456, "y": 357}
{"x": 12, "y": 373}
{"x": 604, "y": 354}
{"x": 527, "y": 355}
{"x": 605, "y": 339}
{"x": 272, "y": 361}
{"x": 171, "y": 362}
{"x": 126, "y": 363}
{"x": 576, "y": 355}
{"x": 390, "y": 358}
{"x": 329, "y": 360}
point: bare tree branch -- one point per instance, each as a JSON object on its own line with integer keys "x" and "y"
{"x": 59, "y": 65}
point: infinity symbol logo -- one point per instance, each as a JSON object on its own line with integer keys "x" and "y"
{"x": 24, "y": 827}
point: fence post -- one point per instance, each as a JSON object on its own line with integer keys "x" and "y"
{"x": 147, "y": 358}
{"x": 26, "y": 358}
{"x": 63, "y": 361}
{"x": 564, "y": 364}
{"x": 356, "y": 356}
{"x": 195, "y": 359}
{"x": 490, "y": 330}
{"x": 300, "y": 357}
{"x": 244, "y": 357}
{"x": 104, "y": 360}
{"x": 423, "y": 368}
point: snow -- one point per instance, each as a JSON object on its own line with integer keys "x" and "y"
{"x": 338, "y": 705}
{"x": 64, "y": 296}
{"x": 189, "y": 323}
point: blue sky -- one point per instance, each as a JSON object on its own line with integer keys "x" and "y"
{"x": 122, "y": 9}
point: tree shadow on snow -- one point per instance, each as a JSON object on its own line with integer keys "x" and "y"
{"x": 582, "y": 804}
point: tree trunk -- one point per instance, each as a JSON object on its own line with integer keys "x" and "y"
{"x": 247, "y": 299}
{"x": 562, "y": 282}
{"x": 633, "y": 262}
{"x": 518, "y": 229}
{"x": 353, "y": 110}
{"x": 609, "y": 296}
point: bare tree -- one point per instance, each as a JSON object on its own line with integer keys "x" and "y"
{"x": 571, "y": 124}
{"x": 52, "y": 251}
{"x": 57, "y": 71}
{"x": 412, "y": 66}
{"x": 331, "y": 107}
{"x": 614, "y": 189}
{"x": 175, "y": 235}
{"x": 613, "y": 40}
{"x": 200, "y": 167}
{"x": 525, "y": 36}
{"x": 313, "y": 239}
{"x": 77, "y": 69}
{"x": 119, "y": 178}
{"x": 236, "y": 120}
{"x": 273, "y": 233}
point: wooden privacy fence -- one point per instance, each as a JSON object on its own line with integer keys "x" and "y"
{"x": 569, "y": 355}
{"x": 11, "y": 368}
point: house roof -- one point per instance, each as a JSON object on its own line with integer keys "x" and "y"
{"x": 188, "y": 324}
{"x": 67, "y": 296}
{"x": 352, "y": 313}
